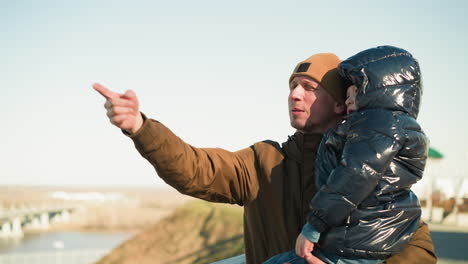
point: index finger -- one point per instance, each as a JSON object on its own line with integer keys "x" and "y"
{"x": 104, "y": 91}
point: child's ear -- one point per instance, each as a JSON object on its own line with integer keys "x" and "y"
{"x": 339, "y": 108}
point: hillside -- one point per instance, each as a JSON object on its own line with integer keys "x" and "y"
{"x": 197, "y": 232}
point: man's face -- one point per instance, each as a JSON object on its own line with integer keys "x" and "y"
{"x": 311, "y": 108}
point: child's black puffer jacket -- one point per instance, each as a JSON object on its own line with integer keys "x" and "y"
{"x": 366, "y": 166}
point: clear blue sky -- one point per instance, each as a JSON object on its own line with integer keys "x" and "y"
{"x": 215, "y": 72}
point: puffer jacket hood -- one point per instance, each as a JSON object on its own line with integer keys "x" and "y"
{"x": 386, "y": 77}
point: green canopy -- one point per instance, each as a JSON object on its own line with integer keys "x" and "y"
{"x": 435, "y": 154}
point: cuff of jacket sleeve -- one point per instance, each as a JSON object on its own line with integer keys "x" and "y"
{"x": 149, "y": 136}
{"x": 310, "y": 233}
{"x": 141, "y": 128}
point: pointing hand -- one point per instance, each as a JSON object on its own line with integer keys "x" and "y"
{"x": 122, "y": 109}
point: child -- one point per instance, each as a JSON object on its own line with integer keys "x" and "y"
{"x": 364, "y": 210}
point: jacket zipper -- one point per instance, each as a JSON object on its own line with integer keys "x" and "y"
{"x": 303, "y": 221}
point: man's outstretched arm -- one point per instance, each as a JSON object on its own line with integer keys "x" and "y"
{"x": 211, "y": 174}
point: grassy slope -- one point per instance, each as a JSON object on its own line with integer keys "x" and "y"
{"x": 197, "y": 232}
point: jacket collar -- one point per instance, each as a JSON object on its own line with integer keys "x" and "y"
{"x": 300, "y": 144}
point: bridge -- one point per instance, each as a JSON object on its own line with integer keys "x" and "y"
{"x": 14, "y": 220}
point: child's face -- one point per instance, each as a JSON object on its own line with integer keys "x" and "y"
{"x": 350, "y": 99}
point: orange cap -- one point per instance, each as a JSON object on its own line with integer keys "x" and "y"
{"x": 323, "y": 68}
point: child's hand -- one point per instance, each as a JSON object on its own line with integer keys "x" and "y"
{"x": 304, "y": 249}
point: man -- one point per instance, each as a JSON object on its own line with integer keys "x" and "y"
{"x": 273, "y": 182}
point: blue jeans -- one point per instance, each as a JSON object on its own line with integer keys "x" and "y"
{"x": 292, "y": 258}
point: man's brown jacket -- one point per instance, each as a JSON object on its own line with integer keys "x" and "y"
{"x": 273, "y": 182}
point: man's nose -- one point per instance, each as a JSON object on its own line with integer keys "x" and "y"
{"x": 297, "y": 93}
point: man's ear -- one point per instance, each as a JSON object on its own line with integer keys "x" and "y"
{"x": 339, "y": 108}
